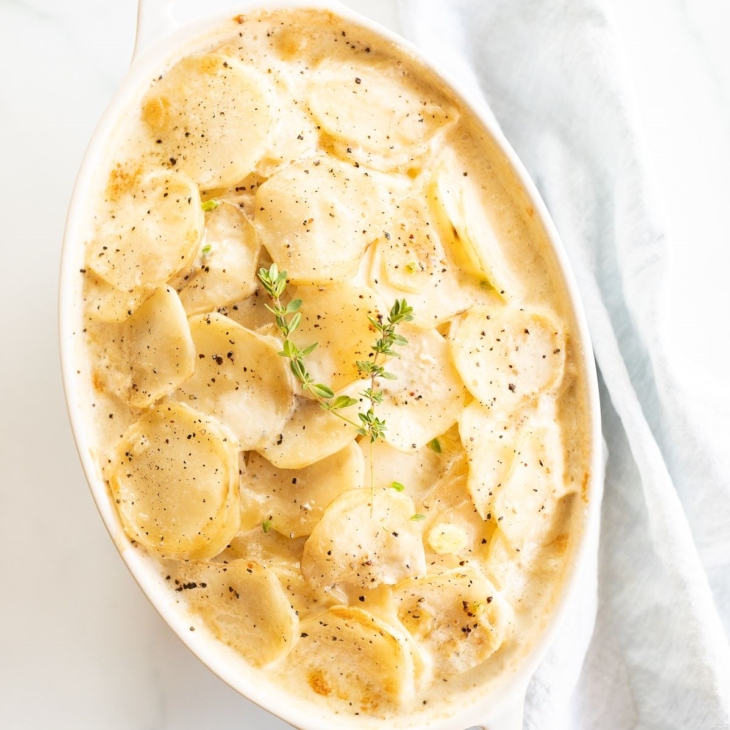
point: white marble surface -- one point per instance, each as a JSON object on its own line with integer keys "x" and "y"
{"x": 80, "y": 647}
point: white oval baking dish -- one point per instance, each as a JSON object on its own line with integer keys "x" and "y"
{"x": 160, "y": 38}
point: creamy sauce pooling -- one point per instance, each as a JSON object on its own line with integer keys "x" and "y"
{"x": 397, "y": 578}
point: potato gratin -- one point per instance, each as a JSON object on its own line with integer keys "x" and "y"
{"x": 374, "y": 563}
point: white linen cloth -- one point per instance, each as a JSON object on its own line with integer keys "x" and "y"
{"x": 553, "y": 74}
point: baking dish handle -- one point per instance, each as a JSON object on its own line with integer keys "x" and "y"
{"x": 154, "y": 20}
{"x": 510, "y": 718}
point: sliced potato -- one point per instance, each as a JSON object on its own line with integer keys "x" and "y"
{"x": 251, "y": 313}
{"x": 491, "y": 442}
{"x": 348, "y": 654}
{"x": 419, "y": 471}
{"x": 447, "y": 293}
{"x": 295, "y": 499}
{"x": 239, "y": 378}
{"x": 504, "y": 566}
{"x": 105, "y": 303}
{"x": 412, "y": 253}
{"x": 157, "y": 352}
{"x": 211, "y": 116}
{"x": 525, "y": 504}
{"x": 375, "y": 113}
{"x": 174, "y": 478}
{"x": 310, "y": 435}
{"x": 456, "y": 616}
{"x": 317, "y": 217}
{"x": 365, "y": 539}
{"x": 453, "y": 527}
{"x": 244, "y": 605}
{"x": 464, "y": 223}
{"x": 336, "y": 317}
{"x": 224, "y": 271}
{"x": 507, "y": 357}
{"x": 150, "y": 230}
{"x": 427, "y": 396}
{"x": 410, "y": 258}
{"x": 293, "y": 137}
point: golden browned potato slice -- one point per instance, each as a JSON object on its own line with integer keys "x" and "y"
{"x": 464, "y": 223}
{"x": 310, "y": 435}
{"x": 244, "y": 605}
{"x": 105, "y": 303}
{"x": 365, "y": 539}
{"x": 456, "y": 616}
{"x": 348, "y": 654}
{"x": 239, "y": 378}
{"x": 150, "y": 230}
{"x": 174, "y": 478}
{"x": 507, "y": 357}
{"x": 376, "y": 113}
{"x": 225, "y": 268}
{"x": 427, "y": 396}
{"x": 211, "y": 116}
{"x": 156, "y": 350}
{"x": 317, "y": 217}
{"x": 295, "y": 499}
{"x": 336, "y": 317}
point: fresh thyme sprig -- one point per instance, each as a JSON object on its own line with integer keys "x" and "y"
{"x": 373, "y": 428}
{"x": 288, "y": 318}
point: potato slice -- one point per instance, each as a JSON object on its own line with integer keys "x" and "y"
{"x": 336, "y": 317}
{"x": 427, "y": 396}
{"x": 105, "y": 303}
{"x": 456, "y": 616}
{"x": 156, "y": 350}
{"x": 239, "y": 378}
{"x": 348, "y": 654}
{"x": 244, "y": 605}
{"x": 524, "y": 506}
{"x": 225, "y": 268}
{"x": 453, "y": 527}
{"x": 419, "y": 471}
{"x": 446, "y": 294}
{"x": 410, "y": 258}
{"x": 412, "y": 253}
{"x": 365, "y": 539}
{"x": 491, "y": 442}
{"x": 507, "y": 357}
{"x": 210, "y": 116}
{"x": 317, "y": 217}
{"x": 468, "y": 232}
{"x": 251, "y": 312}
{"x": 310, "y": 435}
{"x": 150, "y": 229}
{"x": 295, "y": 499}
{"x": 375, "y": 112}
{"x": 174, "y": 478}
